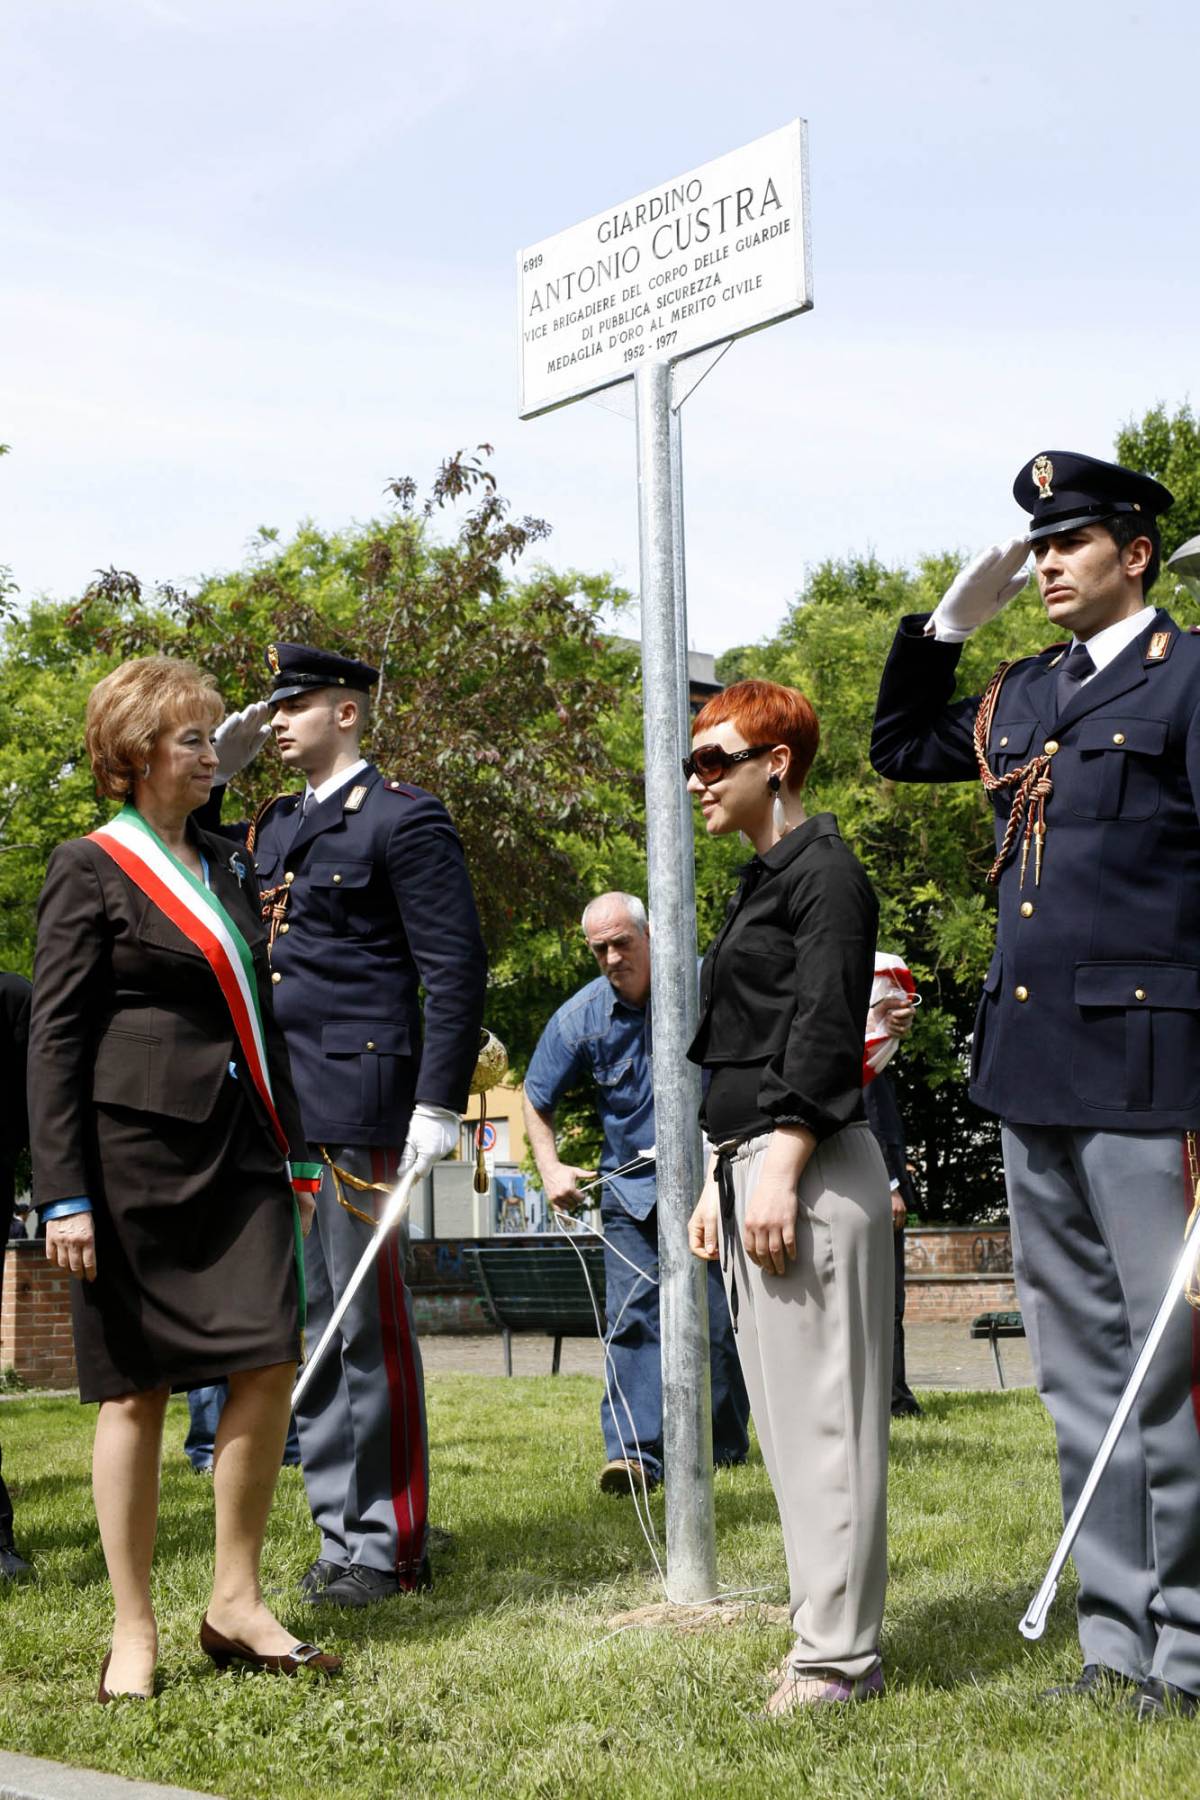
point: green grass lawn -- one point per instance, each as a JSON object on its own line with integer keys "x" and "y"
{"x": 507, "y": 1679}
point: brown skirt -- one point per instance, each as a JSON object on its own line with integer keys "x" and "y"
{"x": 195, "y": 1273}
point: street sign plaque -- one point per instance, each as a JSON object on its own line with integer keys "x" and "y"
{"x": 710, "y": 256}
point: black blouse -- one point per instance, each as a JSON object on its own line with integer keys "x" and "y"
{"x": 785, "y": 987}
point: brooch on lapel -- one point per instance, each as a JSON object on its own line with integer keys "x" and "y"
{"x": 237, "y": 867}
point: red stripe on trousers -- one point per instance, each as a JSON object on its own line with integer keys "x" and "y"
{"x": 410, "y": 1492}
{"x": 1188, "y": 1196}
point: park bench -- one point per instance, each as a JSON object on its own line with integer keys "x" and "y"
{"x": 539, "y": 1285}
{"x": 996, "y": 1325}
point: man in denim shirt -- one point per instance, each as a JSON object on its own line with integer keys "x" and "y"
{"x": 602, "y": 1031}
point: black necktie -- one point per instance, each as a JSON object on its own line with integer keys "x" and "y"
{"x": 1077, "y": 666}
{"x": 306, "y": 806}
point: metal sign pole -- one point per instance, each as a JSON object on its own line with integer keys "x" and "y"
{"x": 687, "y": 1419}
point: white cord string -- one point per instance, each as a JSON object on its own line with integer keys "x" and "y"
{"x": 643, "y": 1160}
{"x": 571, "y": 1218}
{"x": 565, "y": 1219}
{"x": 606, "y": 1339}
{"x": 641, "y": 1505}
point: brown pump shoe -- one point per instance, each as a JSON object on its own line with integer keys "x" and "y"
{"x": 224, "y": 1651}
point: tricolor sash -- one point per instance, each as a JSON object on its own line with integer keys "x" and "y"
{"x": 195, "y": 910}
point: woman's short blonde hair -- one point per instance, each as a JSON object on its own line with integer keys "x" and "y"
{"x": 130, "y": 708}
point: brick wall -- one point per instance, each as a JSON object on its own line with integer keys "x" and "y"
{"x": 35, "y": 1318}
{"x": 944, "y": 1299}
{"x": 953, "y": 1273}
{"x": 958, "y": 1250}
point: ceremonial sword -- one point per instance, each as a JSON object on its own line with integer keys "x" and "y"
{"x": 490, "y": 1067}
{"x": 1034, "y": 1622}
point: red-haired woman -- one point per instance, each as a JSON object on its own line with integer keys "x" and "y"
{"x": 796, "y": 1203}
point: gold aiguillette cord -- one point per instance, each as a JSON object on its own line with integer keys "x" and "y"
{"x": 1191, "y": 1292}
{"x": 359, "y": 1186}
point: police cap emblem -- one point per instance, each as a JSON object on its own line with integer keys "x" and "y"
{"x": 1043, "y": 475}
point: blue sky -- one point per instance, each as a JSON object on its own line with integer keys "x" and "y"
{"x": 258, "y": 258}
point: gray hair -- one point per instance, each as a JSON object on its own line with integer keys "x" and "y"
{"x": 631, "y": 903}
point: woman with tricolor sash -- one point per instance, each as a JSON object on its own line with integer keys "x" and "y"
{"x": 162, "y": 1122}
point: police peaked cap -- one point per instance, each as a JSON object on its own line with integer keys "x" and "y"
{"x": 300, "y": 669}
{"x": 1063, "y": 490}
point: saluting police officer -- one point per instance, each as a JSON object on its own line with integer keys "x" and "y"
{"x": 1087, "y": 1039}
{"x": 367, "y": 896}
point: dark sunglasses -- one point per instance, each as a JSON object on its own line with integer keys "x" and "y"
{"x": 709, "y": 762}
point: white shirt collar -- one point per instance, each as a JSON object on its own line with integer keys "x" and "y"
{"x": 1110, "y": 642}
{"x": 335, "y": 782}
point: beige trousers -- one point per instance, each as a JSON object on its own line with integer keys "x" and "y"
{"x": 815, "y": 1346}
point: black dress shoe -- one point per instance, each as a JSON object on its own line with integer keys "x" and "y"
{"x": 1158, "y": 1699}
{"x": 318, "y": 1576}
{"x": 907, "y": 1408}
{"x": 1097, "y": 1682}
{"x": 13, "y": 1566}
{"x": 359, "y": 1586}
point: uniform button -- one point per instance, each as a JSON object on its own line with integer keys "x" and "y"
{"x": 275, "y": 975}
{"x": 1026, "y": 910}
{"x": 286, "y": 927}
{"x": 1139, "y": 993}
{"x": 370, "y": 1043}
{"x": 1022, "y": 993}
{"x": 1003, "y": 741}
{"x": 289, "y": 875}
{"x": 337, "y": 878}
{"x": 1118, "y": 737}
{"x": 1051, "y": 746}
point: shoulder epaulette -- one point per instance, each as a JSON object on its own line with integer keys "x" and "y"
{"x": 402, "y": 787}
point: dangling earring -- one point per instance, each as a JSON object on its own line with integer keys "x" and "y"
{"x": 779, "y": 818}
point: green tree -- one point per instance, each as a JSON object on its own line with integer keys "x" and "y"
{"x": 493, "y": 691}
{"x": 1167, "y": 446}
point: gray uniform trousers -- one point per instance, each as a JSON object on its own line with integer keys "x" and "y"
{"x": 815, "y": 1345}
{"x": 364, "y": 1447}
{"x": 1097, "y": 1227}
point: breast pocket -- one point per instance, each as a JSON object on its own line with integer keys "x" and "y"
{"x": 336, "y": 892}
{"x": 1139, "y": 1042}
{"x": 764, "y": 988}
{"x": 618, "y": 1086}
{"x": 1117, "y": 775}
{"x": 1009, "y": 744}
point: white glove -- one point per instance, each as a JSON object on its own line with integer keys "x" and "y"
{"x": 239, "y": 738}
{"x": 432, "y": 1134}
{"x": 979, "y": 591}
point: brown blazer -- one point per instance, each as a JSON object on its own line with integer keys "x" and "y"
{"x": 127, "y": 1012}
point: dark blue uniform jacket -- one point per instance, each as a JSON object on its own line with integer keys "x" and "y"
{"x": 379, "y": 906}
{"x": 1090, "y": 1014}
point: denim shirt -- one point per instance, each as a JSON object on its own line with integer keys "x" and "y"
{"x": 595, "y": 1033}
